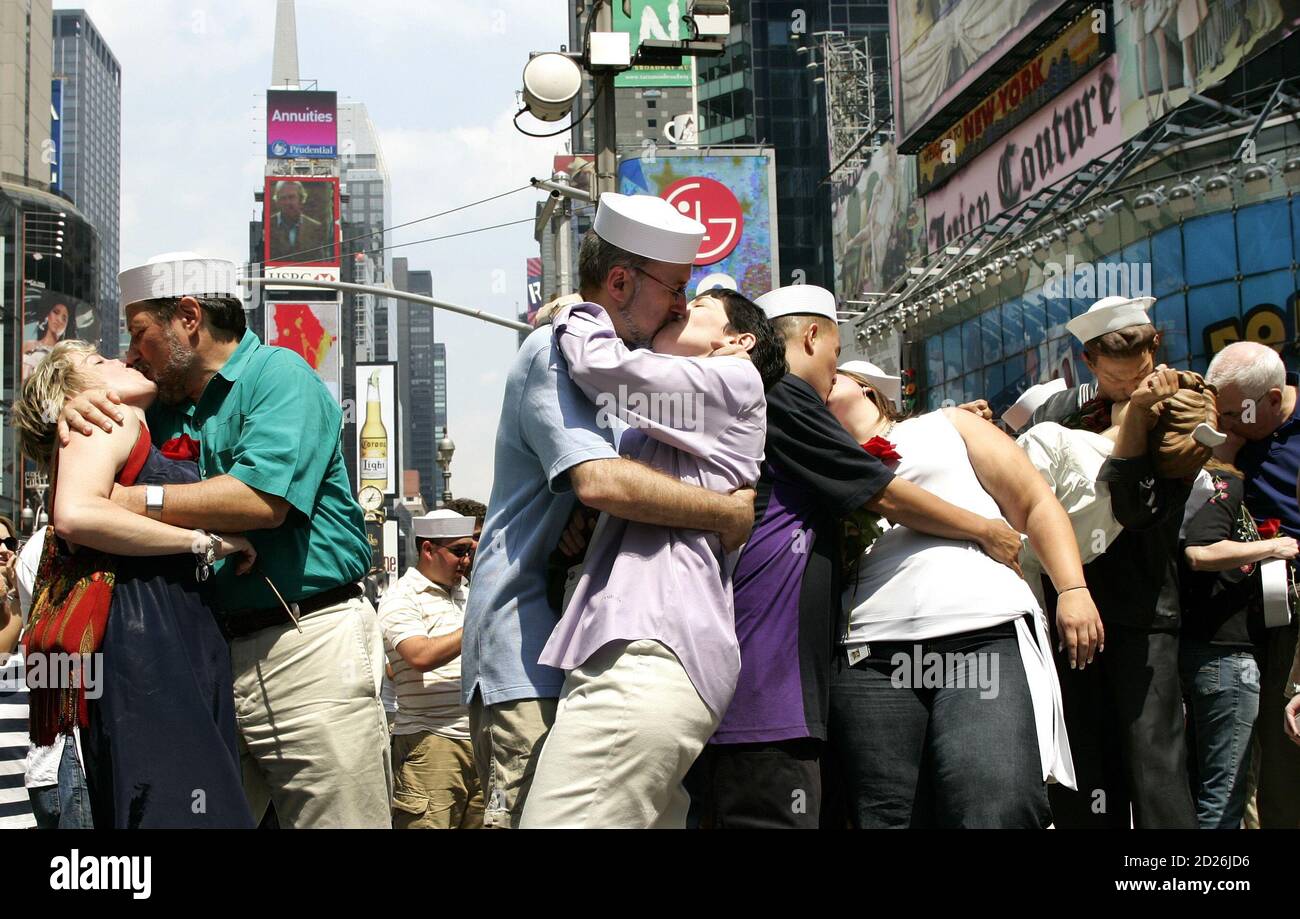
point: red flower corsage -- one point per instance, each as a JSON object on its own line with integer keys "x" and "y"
{"x": 882, "y": 450}
{"x": 183, "y": 448}
{"x": 1268, "y": 528}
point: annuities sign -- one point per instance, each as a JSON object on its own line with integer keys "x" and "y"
{"x": 301, "y": 124}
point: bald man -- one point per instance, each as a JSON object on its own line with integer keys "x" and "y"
{"x": 1257, "y": 402}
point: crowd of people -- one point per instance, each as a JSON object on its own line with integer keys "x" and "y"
{"x": 722, "y": 581}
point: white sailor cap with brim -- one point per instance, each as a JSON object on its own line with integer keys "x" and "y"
{"x": 648, "y": 226}
{"x": 442, "y": 524}
{"x": 891, "y": 387}
{"x": 1029, "y": 402}
{"x": 179, "y": 274}
{"x": 799, "y": 300}
{"x": 1110, "y": 314}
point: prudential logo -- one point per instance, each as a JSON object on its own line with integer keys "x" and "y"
{"x": 103, "y": 872}
{"x": 280, "y": 148}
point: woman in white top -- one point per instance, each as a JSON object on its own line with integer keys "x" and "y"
{"x": 945, "y": 709}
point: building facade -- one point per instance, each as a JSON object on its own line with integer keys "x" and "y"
{"x": 89, "y": 83}
{"x": 422, "y": 381}
{"x": 764, "y": 89}
{"x": 1098, "y": 189}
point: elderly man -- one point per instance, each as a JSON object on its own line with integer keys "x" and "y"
{"x": 1257, "y": 403}
{"x": 306, "y": 649}
{"x": 434, "y": 782}
{"x": 553, "y": 450}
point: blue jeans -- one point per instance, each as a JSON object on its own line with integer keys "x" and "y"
{"x": 1222, "y": 689}
{"x": 65, "y": 806}
{"x": 922, "y": 745}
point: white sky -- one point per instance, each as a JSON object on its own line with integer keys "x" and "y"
{"x": 439, "y": 79}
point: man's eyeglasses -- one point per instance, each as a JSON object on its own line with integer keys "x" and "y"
{"x": 675, "y": 291}
{"x": 459, "y": 551}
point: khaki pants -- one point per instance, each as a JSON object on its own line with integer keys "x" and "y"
{"x": 435, "y": 785}
{"x": 507, "y": 739}
{"x": 313, "y": 736}
{"x": 628, "y": 727}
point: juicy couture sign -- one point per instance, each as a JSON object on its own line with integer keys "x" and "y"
{"x": 1077, "y": 126}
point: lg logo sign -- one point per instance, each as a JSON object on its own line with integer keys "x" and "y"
{"x": 712, "y": 204}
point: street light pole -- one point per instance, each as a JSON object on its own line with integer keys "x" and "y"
{"x": 606, "y": 111}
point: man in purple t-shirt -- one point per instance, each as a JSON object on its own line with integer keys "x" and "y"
{"x": 763, "y": 766}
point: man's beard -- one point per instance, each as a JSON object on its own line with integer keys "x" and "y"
{"x": 172, "y": 379}
{"x": 637, "y": 337}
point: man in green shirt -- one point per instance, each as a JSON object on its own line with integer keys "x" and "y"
{"x": 314, "y": 738}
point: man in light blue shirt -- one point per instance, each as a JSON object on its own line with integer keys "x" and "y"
{"x": 553, "y": 452}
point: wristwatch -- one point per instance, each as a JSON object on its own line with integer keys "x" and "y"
{"x": 153, "y": 501}
{"x": 1291, "y": 690}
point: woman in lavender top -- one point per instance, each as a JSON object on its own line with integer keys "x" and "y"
{"x": 649, "y": 635}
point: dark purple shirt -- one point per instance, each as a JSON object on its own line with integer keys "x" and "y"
{"x": 787, "y": 581}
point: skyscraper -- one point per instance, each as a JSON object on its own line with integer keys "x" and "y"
{"x": 422, "y": 381}
{"x": 88, "y": 81}
{"x": 25, "y": 71}
{"x": 367, "y": 209}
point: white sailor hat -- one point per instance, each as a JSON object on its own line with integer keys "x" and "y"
{"x": 798, "y": 299}
{"x": 648, "y": 226}
{"x": 442, "y": 524}
{"x": 1110, "y": 314}
{"x": 1019, "y": 414}
{"x": 890, "y": 387}
{"x": 178, "y": 274}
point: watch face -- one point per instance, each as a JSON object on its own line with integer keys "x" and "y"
{"x": 370, "y": 498}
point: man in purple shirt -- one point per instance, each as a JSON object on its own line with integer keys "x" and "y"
{"x": 763, "y": 766}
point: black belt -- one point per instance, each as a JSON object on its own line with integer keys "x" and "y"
{"x": 244, "y": 622}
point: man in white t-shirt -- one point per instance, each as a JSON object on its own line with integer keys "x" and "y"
{"x": 435, "y": 784}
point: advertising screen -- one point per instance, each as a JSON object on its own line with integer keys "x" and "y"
{"x": 940, "y": 49}
{"x": 310, "y": 330}
{"x": 377, "y": 447}
{"x": 1169, "y": 50}
{"x": 877, "y": 224}
{"x": 301, "y": 225}
{"x": 734, "y": 195}
{"x": 1042, "y": 78}
{"x": 49, "y": 318}
{"x": 301, "y": 123}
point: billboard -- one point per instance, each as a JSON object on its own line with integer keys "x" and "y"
{"x": 376, "y": 420}
{"x": 654, "y": 19}
{"x": 301, "y": 123}
{"x": 1169, "y": 50}
{"x": 49, "y": 318}
{"x": 310, "y": 330}
{"x": 877, "y": 224}
{"x": 941, "y": 49}
{"x": 731, "y": 192}
{"x": 1074, "y": 128}
{"x": 301, "y": 221}
{"x": 1043, "y": 77}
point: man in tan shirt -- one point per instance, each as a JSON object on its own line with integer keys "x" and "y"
{"x": 435, "y": 783}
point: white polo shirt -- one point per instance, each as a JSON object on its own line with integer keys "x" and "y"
{"x": 430, "y": 701}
